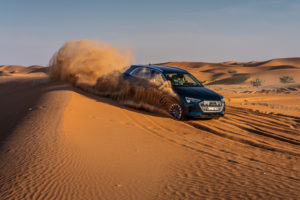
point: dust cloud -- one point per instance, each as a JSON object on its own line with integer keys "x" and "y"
{"x": 97, "y": 67}
{"x": 84, "y": 61}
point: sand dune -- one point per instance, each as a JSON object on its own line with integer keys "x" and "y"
{"x": 58, "y": 142}
{"x": 232, "y": 73}
{"x": 18, "y": 69}
{"x": 283, "y": 62}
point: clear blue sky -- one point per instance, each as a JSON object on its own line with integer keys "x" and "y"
{"x": 156, "y": 31}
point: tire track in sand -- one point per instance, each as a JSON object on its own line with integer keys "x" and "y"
{"x": 257, "y": 163}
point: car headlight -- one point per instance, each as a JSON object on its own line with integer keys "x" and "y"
{"x": 223, "y": 100}
{"x": 192, "y": 100}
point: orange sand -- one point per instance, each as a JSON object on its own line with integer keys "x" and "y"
{"x": 58, "y": 142}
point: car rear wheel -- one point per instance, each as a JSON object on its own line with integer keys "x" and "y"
{"x": 176, "y": 111}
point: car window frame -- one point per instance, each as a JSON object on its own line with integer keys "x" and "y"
{"x": 158, "y": 72}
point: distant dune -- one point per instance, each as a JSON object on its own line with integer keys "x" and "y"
{"x": 59, "y": 142}
{"x": 242, "y": 73}
{"x": 18, "y": 69}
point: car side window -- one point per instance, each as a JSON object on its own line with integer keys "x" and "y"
{"x": 142, "y": 72}
{"x": 156, "y": 77}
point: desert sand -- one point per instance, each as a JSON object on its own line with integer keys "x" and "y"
{"x": 59, "y": 142}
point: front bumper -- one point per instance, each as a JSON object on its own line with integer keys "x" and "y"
{"x": 194, "y": 110}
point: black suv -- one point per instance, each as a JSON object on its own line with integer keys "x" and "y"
{"x": 195, "y": 100}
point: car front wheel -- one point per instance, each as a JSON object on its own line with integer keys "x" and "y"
{"x": 176, "y": 111}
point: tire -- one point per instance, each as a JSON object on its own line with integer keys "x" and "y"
{"x": 177, "y": 111}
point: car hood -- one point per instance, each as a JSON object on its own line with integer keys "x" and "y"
{"x": 202, "y": 93}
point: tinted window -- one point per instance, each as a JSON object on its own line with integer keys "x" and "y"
{"x": 182, "y": 80}
{"x": 142, "y": 72}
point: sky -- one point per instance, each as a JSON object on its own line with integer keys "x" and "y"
{"x": 32, "y": 31}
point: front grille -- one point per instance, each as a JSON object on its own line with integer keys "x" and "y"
{"x": 211, "y": 106}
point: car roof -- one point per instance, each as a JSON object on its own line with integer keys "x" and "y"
{"x": 163, "y": 69}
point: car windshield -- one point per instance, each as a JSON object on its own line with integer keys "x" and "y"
{"x": 183, "y": 80}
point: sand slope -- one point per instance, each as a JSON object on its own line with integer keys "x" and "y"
{"x": 58, "y": 142}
